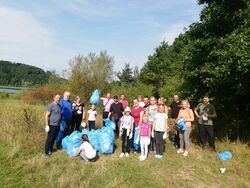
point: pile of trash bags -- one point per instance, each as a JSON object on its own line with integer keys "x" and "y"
{"x": 101, "y": 139}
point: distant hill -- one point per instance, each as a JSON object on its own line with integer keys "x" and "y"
{"x": 18, "y": 74}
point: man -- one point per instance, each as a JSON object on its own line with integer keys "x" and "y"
{"x": 147, "y": 103}
{"x": 205, "y": 112}
{"x": 52, "y": 122}
{"x": 175, "y": 107}
{"x": 107, "y": 101}
{"x": 66, "y": 112}
{"x": 116, "y": 112}
{"x": 123, "y": 101}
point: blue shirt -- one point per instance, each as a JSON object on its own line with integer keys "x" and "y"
{"x": 66, "y": 106}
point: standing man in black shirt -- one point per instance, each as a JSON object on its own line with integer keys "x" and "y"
{"x": 115, "y": 113}
{"x": 175, "y": 108}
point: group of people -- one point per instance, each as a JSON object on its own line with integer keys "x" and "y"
{"x": 148, "y": 116}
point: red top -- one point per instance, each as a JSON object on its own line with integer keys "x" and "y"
{"x": 124, "y": 103}
{"x": 135, "y": 112}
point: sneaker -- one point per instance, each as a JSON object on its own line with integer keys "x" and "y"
{"x": 144, "y": 158}
{"x": 141, "y": 158}
{"x": 185, "y": 153}
{"x": 180, "y": 151}
{"x": 126, "y": 154}
{"x": 122, "y": 155}
{"x": 156, "y": 156}
{"x": 160, "y": 157}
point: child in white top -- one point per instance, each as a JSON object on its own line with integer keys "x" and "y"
{"x": 126, "y": 131}
{"x": 160, "y": 130}
{"x": 86, "y": 150}
{"x": 92, "y": 117}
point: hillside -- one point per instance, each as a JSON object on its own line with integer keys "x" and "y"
{"x": 18, "y": 74}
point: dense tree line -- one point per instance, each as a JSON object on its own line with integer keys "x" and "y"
{"x": 211, "y": 56}
{"x": 17, "y": 74}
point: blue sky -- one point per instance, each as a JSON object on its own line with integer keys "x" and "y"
{"x": 48, "y": 33}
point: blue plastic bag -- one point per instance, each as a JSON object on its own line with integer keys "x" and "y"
{"x": 226, "y": 155}
{"x": 95, "y": 97}
{"x": 72, "y": 142}
{"x": 107, "y": 139}
{"x": 137, "y": 139}
{"x": 181, "y": 125}
{"x": 109, "y": 123}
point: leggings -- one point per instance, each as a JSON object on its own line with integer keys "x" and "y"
{"x": 184, "y": 138}
{"x": 159, "y": 142}
{"x": 144, "y": 141}
{"x": 125, "y": 141}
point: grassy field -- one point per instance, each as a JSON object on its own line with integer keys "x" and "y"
{"x": 22, "y": 163}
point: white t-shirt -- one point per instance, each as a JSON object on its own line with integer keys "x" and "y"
{"x": 92, "y": 115}
{"x": 142, "y": 104}
{"x": 160, "y": 119}
{"x": 89, "y": 150}
{"x": 127, "y": 121}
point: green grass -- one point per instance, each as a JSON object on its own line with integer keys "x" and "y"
{"x": 22, "y": 163}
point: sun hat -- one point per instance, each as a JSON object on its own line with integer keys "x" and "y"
{"x": 127, "y": 109}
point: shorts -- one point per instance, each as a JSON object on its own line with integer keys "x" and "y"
{"x": 145, "y": 140}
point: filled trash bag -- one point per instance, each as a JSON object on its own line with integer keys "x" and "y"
{"x": 226, "y": 155}
{"x": 109, "y": 123}
{"x": 107, "y": 140}
{"x": 95, "y": 97}
{"x": 72, "y": 142}
{"x": 137, "y": 139}
{"x": 93, "y": 137}
{"x": 181, "y": 125}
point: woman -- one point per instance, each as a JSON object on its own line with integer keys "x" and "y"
{"x": 187, "y": 115}
{"x": 137, "y": 113}
{"x": 78, "y": 114}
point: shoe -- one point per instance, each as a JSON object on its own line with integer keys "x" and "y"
{"x": 160, "y": 157}
{"x": 156, "y": 156}
{"x": 185, "y": 153}
{"x": 49, "y": 153}
{"x": 141, "y": 158}
{"x": 144, "y": 158}
{"x": 180, "y": 151}
{"x": 122, "y": 155}
{"x": 126, "y": 154}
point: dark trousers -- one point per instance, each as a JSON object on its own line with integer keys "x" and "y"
{"x": 117, "y": 123}
{"x": 104, "y": 116}
{"x": 91, "y": 125}
{"x": 75, "y": 123}
{"x": 204, "y": 131}
{"x": 159, "y": 142}
{"x": 177, "y": 139}
{"x": 125, "y": 141}
{"x": 51, "y": 138}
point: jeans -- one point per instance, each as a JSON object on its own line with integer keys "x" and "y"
{"x": 159, "y": 142}
{"x": 205, "y": 130}
{"x": 125, "y": 141}
{"x": 51, "y": 138}
{"x": 184, "y": 138}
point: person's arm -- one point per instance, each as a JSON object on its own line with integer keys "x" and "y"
{"x": 141, "y": 114}
{"x": 110, "y": 111}
{"x": 179, "y": 115}
{"x": 139, "y": 129}
{"x": 190, "y": 116}
{"x": 196, "y": 112}
{"x": 47, "y": 118}
{"x": 166, "y": 110}
{"x": 213, "y": 114}
{"x": 83, "y": 114}
{"x": 149, "y": 132}
{"x": 166, "y": 125}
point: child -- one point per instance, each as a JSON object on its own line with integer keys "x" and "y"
{"x": 159, "y": 130}
{"x": 126, "y": 130}
{"x": 86, "y": 150}
{"x": 92, "y": 117}
{"x": 187, "y": 115}
{"x": 144, "y": 132}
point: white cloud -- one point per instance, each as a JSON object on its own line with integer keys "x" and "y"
{"x": 23, "y": 39}
{"x": 173, "y": 31}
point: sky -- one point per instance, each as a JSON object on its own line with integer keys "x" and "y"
{"x": 48, "y": 33}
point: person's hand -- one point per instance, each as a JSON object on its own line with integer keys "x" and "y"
{"x": 131, "y": 135}
{"x": 78, "y": 150}
{"x": 165, "y": 135}
{"x": 47, "y": 129}
{"x": 153, "y": 134}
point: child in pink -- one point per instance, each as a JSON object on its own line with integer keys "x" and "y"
{"x": 144, "y": 132}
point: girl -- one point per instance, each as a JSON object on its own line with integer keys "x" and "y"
{"x": 78, "y": 114}
{"x": 160, "y": 130}
{"x": 187, "y": 115}
{"x": 92, "y": 117}
{"x": 126, "y": 131}
{"x": 151, "y": 111}
{"x": 144, "y": 132}
{"x": 86, "y": 150}
{"x": 162, "y": 101}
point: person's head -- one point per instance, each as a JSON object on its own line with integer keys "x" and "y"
{"x": 184, "y": 104}
{"x": 127, "y": 111}
{"x": 78, "y": 99}
{"x": 115, "y": 98}
{"x": 139, "y": 98}
{"x": 176, "y": 98}
{"x": 152, "y": 100}
{"x": 145, "y": 118}
{"x": 161, "y": 108}
{"x": 85, "y": 138}
{"x": 122, "y": 97}
{"x": 56, "y": 98}
{"x": 66, "y": 95}
{"x": 146, "y": 100}
{"x": 92, "y": 107}
{"x": 135, "y": 102}
{"x": 108, "y": 95}
{"x": 161, "y": 100}
{"x": 205, "y": 99}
